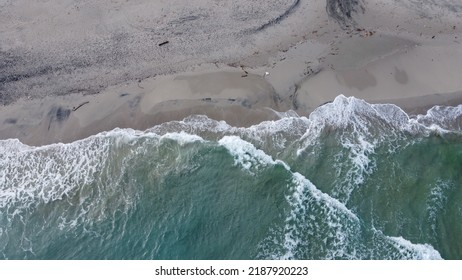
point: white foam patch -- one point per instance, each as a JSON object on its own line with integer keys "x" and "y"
{"x": 360, "y": 155}
{"x": 272, "y": 136}
{"x": 196, "y": 124}
{"x": 392, "y": 114}
{"x": 31, "y": 175}
{"x": 280, "y": 133}
{"x": 380, "y": 121}
{"x": 320, "y": 196}
{"x": 342, "y": 223}
{"x": 445, "y": 118}
{"x": 414, "y": 251}
{"x": 182, "y": 138}
{"x": 436, "y": 201}
{"x": 48, "y": 173}
{"x": 352, "y": 118}
{"x": 245, "y": 154}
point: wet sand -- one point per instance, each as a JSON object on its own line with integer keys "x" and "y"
{"x": 286, "y": 56}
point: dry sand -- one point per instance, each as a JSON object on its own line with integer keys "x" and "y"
{"x": 105, "y": 58}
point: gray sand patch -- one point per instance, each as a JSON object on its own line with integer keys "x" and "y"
{"x": 401, "y": 76}
{"x": 360, "y": 79}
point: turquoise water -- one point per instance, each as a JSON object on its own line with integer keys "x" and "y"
{"x": 352, "y": 181}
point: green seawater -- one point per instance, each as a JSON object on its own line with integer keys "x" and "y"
{"x": 352, "y": 181}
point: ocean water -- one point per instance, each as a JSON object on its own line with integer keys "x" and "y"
{"x": 351, "y": 181}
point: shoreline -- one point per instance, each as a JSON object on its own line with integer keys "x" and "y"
{"x": 413, "y": 64}
{"x": 48, "y": 121}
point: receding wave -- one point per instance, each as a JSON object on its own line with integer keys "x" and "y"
{"x": 351, "y": 181}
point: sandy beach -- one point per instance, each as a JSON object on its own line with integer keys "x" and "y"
{"x": 71, "y": 69}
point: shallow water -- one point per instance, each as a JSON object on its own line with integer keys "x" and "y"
{"x": 352, "y": 181}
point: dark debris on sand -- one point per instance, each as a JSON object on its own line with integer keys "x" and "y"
{"x": 342, "y": 10}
